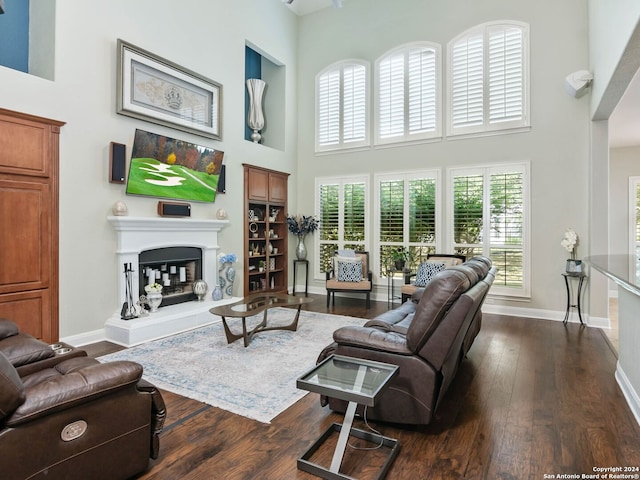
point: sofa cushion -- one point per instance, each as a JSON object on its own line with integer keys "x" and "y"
{"x": 426, "y": 271}
{"x": 349, "y": 271}
{"x": 435, "y": 303}
{"x": 23, "y": 348}
{"x": 7, "y": 328}
{"x": 11, "y": 388}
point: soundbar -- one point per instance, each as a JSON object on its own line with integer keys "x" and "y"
{"x": 174, "y": 209}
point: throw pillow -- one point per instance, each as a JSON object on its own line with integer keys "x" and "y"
{"x": 349, "y": 271}
{"x": 426, "y": 271}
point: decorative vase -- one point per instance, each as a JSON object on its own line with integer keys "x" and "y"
{"x": 226, "y": 276}
{"x": 154, "y": 299}
{"x": 216, "y": 294}
{"x": 255, "y": 117}
{"x": 301, "y": 250}
{"x": 574, "y": 267}
{"x": 200, "y": 289}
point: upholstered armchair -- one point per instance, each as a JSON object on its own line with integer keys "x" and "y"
{"x": 436, "y": 262}
{"x": 350, "y": 273}
{"x": 72, "y": 416}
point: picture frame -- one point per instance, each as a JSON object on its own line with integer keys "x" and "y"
{"x": 157, "y": 90}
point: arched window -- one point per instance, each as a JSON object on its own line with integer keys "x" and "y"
{"x": 342, "y": 106}
{"x": 488, "y": 88}
{"x": 408, "y": 93}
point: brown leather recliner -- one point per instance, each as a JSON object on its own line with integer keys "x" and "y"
{"x": 427, "y": 340}
{"x": 73, "y": 417}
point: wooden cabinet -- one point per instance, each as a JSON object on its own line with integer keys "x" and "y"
{"x": 265, "y": 232}
{"x": 29, "y": 223}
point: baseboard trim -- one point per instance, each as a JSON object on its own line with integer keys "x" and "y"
{"x": 85, "y": 338}
{"x": 633, "y": 400}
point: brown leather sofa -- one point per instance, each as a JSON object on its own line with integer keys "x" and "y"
{"x": 64, "y": 415}
{"x": 427, "y": 340}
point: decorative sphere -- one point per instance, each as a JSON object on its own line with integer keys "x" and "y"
{"x": 221, "y": 214}
{"x": 120, "y": 208}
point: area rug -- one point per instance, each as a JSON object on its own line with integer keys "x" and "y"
{"x": 258, "y": 381}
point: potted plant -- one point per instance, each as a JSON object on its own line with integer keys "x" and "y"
{"x": 400, "y": 257}
{"x": 301, "y": 225}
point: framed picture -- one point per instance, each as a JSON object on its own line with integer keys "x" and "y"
{"x": 156, "y": 90}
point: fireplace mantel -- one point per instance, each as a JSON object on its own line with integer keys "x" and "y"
{"x": 137, "y": 234}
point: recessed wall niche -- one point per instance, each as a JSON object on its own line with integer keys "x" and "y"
{"x": 27, "y": 36}
{"x": 259, "y": 64}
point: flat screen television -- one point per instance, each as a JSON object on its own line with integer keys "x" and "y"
{"x": 169, "y": 168}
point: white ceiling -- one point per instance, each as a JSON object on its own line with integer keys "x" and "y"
{"x": 304, "y": 7}
{"x": 624, "y": 122}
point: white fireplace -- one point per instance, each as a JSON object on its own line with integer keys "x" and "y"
{"x": 138, "y": 234}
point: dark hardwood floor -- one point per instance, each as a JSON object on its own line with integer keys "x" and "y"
{"x": 533, "y": 398}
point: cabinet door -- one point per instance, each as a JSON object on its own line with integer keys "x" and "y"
{"x": 27, "y": 310}
{"x": 25, "y": 237}
{"x": 278, "y": 188}
{"x": 24, "y": 146}
{"x": 258, "y": 185}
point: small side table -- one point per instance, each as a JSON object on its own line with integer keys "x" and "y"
{"x": 306, "y": 276}
{"x": 580, "y": 277}
{"x": 357, "y": 381}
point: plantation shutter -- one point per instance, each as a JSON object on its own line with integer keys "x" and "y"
{"x": 422, "y": 90}
{"x": 391, "y": 96}
{"x": 354, "y": 215}
{"x": 392, "y": 211}
{"x": 467, "y": 72}
{"x": 329, "y": 108}
{"x": 355, "y": 98}
{"x": 506, "y": 73}
{"x": 422, "y": 210}
{"x": 468, "y": 210}
{"x": 507, "y": 202}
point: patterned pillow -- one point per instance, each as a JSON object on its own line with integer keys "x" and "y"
{"x": 349, "y": 271}
{"x": 426, "y": 271}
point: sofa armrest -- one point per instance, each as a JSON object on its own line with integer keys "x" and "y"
{"x": 158, "y": 414}
{"x": 372, "y": 338}
{"x": 78, "y": 385}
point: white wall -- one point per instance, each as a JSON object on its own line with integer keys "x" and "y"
{"x": 556, "y": 146}
{"x": 623, "y": 163}
{"x": 207, "y": 37}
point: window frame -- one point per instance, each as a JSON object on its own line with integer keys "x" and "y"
{"x": 406, "y": 176}
{"x": 486, "y": 170}
{"x": 406, "y": 137}
{"x": 488, "y": 128}
{"x": 341, "y": 145}
{"x": 341, "y": 181}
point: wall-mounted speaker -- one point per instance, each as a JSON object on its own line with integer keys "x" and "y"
{"x": 222, "y": 180}
{"x": 174, "y": 209}
{"x": 117, "y": 162}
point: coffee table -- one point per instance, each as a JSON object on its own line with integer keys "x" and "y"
{"x": 357, "y": 381}
{"x": 253, "y": 305}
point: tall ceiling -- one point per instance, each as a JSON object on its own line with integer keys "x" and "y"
{"x": 624, "y": 122}
{"x": 304, "y": 7}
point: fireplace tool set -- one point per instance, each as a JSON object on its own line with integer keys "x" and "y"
{"x": 129, "y": 309}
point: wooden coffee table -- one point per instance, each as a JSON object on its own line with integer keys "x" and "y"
{"x": 253, "y": 305}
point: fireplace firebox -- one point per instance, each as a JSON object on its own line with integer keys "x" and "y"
{"x": 175, "y": 268}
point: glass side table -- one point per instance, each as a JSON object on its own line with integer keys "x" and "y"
{"x": 357, "y": 381}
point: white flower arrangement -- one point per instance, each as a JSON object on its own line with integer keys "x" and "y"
{"x": 153, "y": 288}
{"x": 570, "y": 241}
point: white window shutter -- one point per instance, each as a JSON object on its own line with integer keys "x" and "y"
{"x": 355, "y": 104}
{"x": 422, "y": 91}
{"x": 505, "y": 74}
{"x": 467, "y": 77}
{"x": 391, "y": 96}
{"x": 329, "y": 108}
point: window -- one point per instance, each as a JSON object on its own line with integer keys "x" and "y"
{"x": 342, "y": 106}
{"x": 408, "y": 94}
{"x": 488, "y": 79}
{"x": 342, "y": 207}
{"x": 488, "y": 215}
{"x": 407, "y": 215}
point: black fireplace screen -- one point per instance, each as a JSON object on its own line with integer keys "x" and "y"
{"x": 175, "y": 268}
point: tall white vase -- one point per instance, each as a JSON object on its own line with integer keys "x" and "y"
{"x": 255, "y": 118}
